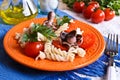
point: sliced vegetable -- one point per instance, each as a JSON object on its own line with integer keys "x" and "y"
{"x": 88, "y": 40}
{"x": 58, "y": 44}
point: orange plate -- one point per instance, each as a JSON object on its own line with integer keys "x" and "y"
{"x": 15, "y": 51}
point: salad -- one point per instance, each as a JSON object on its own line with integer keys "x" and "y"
{"x": 54, "y": 39}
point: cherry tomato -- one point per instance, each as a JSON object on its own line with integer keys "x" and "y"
{"x": 78, "y": 6}
{"x": 109, "y": 14}
{"x": 32, "y": 49}
{"x": 98, "y": 16}
{"x": 88, "y": 40}
{"x": 84, "y": 9}
{"x": 94, "y": 3}
{"x": 57, "y": 44}
{"x": 88, "y": 11}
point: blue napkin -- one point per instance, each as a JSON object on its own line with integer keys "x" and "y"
{"x": 11, "y": 70}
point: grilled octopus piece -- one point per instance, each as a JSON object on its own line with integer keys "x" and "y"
{"x": 50, "y": 20}
{"x": 70, "y": 38}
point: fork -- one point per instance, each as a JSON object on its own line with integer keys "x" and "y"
{"x": 112, "y": 50}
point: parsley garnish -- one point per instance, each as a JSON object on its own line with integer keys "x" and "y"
{"x": 32, "y": 35}
{"x": 61, "y": 21}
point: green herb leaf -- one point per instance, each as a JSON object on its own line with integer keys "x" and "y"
{"x": 25, "y": 37}
{"x": 61, "y": 21}
{"x": 32, "y": 35}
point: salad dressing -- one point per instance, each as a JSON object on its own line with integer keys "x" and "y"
{"x": 13, "y": 13}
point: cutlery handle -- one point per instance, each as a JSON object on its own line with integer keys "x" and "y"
{"x": 111, "y": 73}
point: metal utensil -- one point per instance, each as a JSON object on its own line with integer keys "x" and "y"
{"x": 112, "y": 50}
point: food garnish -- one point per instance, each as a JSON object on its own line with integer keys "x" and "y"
{"x": 31, "y": 33}
{"x": 61, "y": 21}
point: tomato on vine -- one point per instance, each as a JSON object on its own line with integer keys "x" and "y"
{"x": 88, "y": 11}
{"x": 109, "y": 14}
{"x": 98, "y": 16}
{"x": 94, "y": 3}
{"x": 78, "y": 6}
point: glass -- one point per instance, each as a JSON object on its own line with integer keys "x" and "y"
{"x": 45, "y": 6}
{"x": 16, "y": 11}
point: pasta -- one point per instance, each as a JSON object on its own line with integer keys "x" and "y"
{"x": 62, "y": 28}
{"x": 53, "y": 53}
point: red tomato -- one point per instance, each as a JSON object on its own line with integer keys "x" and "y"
{"x": 88, "y": 11}
{"x": 84, "y": 9}
{"x": 109, "y": 14}
{"x": 78, "y": 6}
{"x": 98, "y": 16}
{"x": 32, "y": 48}
{"x": 88, "y": 40}
{"x": 94, "y": 3}
{"x": 57, "y": 44}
